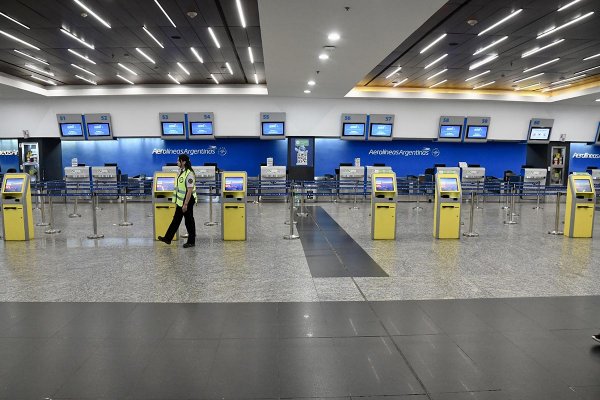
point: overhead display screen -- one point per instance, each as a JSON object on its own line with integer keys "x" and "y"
{"x": 273, "y": 128}
{"x": 71, "y": 130}
{"x": 381, "y": 130}
{"x": 448, "y": 185}
{"x": 353, "y": 130}
{"x": 165, "y": 184}
{"x": 102, "y": 129}
{"x": 384, "y": 184}
{"x": 234, "y": 184}
{"x": 201, "y": 128}
{"x": 13, "y": 185}
{"x": 477, "y": 132}
{"x": 582, "y": 186}
{"x": 539, "y": 133}
{"x": 172, "y": 128}
{"x": 450, "y": 131}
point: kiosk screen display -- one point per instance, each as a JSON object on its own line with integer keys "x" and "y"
{"x": 381, "y": 130}
{"x": 13, "y": 185}
{"x": 71, "y": 130}
{"x": 353, "y": 130}
{"x": 201, "y": 128}
{"x": 172, "y": 128}
{"x": 273, "y": 128}
{"x": 539, "y": 133}
{"x": 582, "y": 186}
{"x": 98, "y": 129}
{"x": 477, "y": 132}
{"x": 384, "y": 184}
{"x": 448, "y": 185}
{"x": 234, "y": 184}
{"x": 165, "y": 184}
{"x": 450, "y": 131}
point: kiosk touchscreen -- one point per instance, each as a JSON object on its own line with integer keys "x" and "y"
{"x": 383, "y": 206}
{"x": 581, "y": 204}
{"x": 17, "y": 223}
{"x": 233, "y": 205}
{"x": 163, "y": 201}
{"x": 446, "y": 211}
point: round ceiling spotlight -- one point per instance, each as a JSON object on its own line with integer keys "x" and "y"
{"x": 472, "y": 21}
{"x": 307, "y": 91}
{"x": 311, "y": 83}
{"x": 323, "y": 56}
{"x": 333, "y": 36}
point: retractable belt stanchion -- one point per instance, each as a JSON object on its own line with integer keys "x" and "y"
{"x": 511, "y": 214}
{"x": 537, "y": 204}
{"x": 418, "y": 207}
{"x": 75, "y": 214}
{"x": 37, "y": 199}
{"x": 95, "y": 207}
{"x": 471, "y": 216}
{"x": 42, "y": 211}
{"x": 291, "y": 222}
{"x": 504, "y": 185}
{"x": 477, "y": 197}
{"x": 302, "y": 213}
{"x": 50, "y": 229}
{"x": 513, "y": 201}
{"x": 125, "y": 222}
{"x": 291, "y": 205}
{"x": 556, "y": 230}
{"x": 210, "y": 209}
{"x": 355, "y": 207}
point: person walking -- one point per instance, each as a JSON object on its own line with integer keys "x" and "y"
{"x": 185, "y": 198}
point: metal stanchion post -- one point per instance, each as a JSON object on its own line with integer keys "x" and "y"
{"x": 510, "y": 213}
{"x": 291, "y": 222}
{"x": 537, "y": 204}
{"x": 50, "y": 229}
{"x": 37, "y": 199}
{"x": 95, "y": 235}
{"x": 125, "y": 222}
{"x": 291, "y": 204}
{"x": 513, "y": 201}
{"x": 506, "y": 205}
{"x": 302, "y": 213}
{"x": 418, "y": 207}
{"x": 355, "y": 207}
{"x": 477, "y": 197}
{"x": 210, "y": 209}
{"x": 74, "y": 214}
{"x": 471, "y": 216}
{"x": 97, "y": 202}
{"x": 43, "y": 223}
{"x": 556, "y": 230}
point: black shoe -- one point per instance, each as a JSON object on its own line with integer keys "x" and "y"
{"x": 186, "y": 245}
{"x": 162, "y": 239}
{"x": 596, "y": 337}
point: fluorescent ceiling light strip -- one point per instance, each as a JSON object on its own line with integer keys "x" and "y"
{"x": 538, "y": 49}
{"x": 568, "y": 5}
{"x": 436, "y": 74}
{"x": 127, "y": 69}
{"x": 214, "y": 37}
{"x": 484, "y": 85}
{"x": 83, "y": 69}
{"x": 484, "y": 61}
{"x": 250, "y": 54}
{"x": 241, "y": 12}
{"x": 197, "y": 55}
{"x": 173, "y": 79}
{"x": 85, "y": 79}
{"x": 436, "y": 61}
{"x": 89, "y": 10}
{"x": 183, "y": 68}
{"x": 439, "y": 83}
{"x": 14, "y": 20}
{"x": 556, "y": 88}
{"x": 586, "y": 70}
{"x": 32, "y": 57}
{"x": 541, "y": 65}
{"x": 18, "y": 40}
{"x": 146, "y": 56}
{"x": 164, "y": 12}
{"x": 433, "y": 43}
{"x": 478, "y": 75}
{"x": 556, "y": 29}
{"x": 393, "y": 72}
{"x": 125, "y": 79}
{"x": 214, "y": 79}
{"x": 503, "y": 20}
{"x": 81, "y": 56}
{"x": 401, "y": 82}
{"x": 256, "y": 78}
{"x": 38, "y": 69}
{"x": 43, "y": 80}
{"x": 529, "y": 86}
{"x": 489, "y": 46}
{"x": 567, "y": 80}
{"x": 529, "y": 77}
{"x": 585, "y": 59}
{"x": 229, "y": 68}
{"x": 83, "y": 42}
{"x": 597, "y": 99}
{"x": 152, "y": 36}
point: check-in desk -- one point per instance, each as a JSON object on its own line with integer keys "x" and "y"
{"x": 105, "y": 180}
{"x": 446, "y": 207}
{"x": 534, "y": 179}
{"x": 206, "y": 177}
{"x": 384, "y": 196}
{"x": 233, "y": 205}
{"x": 595, "y": 173}
{"x": 275, "y": 176}
{"x": 473, "y": 176}
{"x": 163, "y": 202}
{"x": 581, "y": 204}
{"x": 17, "y": 223}
{"x": 171, "y": 168}
{"x": 77, "y": 180}
{"x": 352, "y": 180}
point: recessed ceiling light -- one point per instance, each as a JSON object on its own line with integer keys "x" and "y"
{"x": 529, "y": 86}
{"x": 307, "y": 91}
{"x": 541, "y": 65}
{"x": 393, "y": 72}
{"x": 484, "y": 85}
{"x": 401, "y": 82}
{"x": 567, "y": 80}
{"x": 436, "y": 74}
{"x": 529, "y": 77}
{"x": 432, "y": 43}
{"x": 183, "y": 68}
{"x": 32, "y": 57}
{"x": 431, "y": 64}
{"x": 164, "y": 12}
{"x": 597, "y": 99}
{"x": 81, "y": 56}
{"x": 197, "y": 55}
{"x": 146, "y": 56}
{"x": 83, "y": 69}
{"x": 85, "y": 79}
{"x": 503, "y": 20}
{"x": 590, "y": 57}
{"x": 18, "y": 40}
{"x": 478, "y": 75}
{"x": 439, "y": 83}
{"x": 333, "y": 36}
{"x": 548, "y": 89}
{"x": 89, "y": 10}
{"x": 16, "y": 22}
{"x": 484, "y": 61}
{"x": 214, "y": 79}
{"x": 43, "y": 80}
{"x": 38, "y": 69}
{"x": 568, "y": 5}
{"x": 214, "y": 38}
{"x": 323, "y": 56}
{"x": 127, "y": 69}
{"x": 153, "y": 38}
{"x": 556, "y": 29}
{"x": 83, "y": 42}
{"x": 125, "y": 79}
{"x": 586, "y": 70}
{"x": 173, "y": 79}
{"x": 489, "y": 46}
{"x": 312, "y": 83}
{"x": 256, "y": 78}
{"x": 538, "y": 49}
{"x": 229, "y": 68}
{"x": 241, "y": 13}
{"x": 250, "y": 54}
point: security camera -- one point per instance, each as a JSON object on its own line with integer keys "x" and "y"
{"x": 472, "y": 21}
{"x": 192, "y": 14}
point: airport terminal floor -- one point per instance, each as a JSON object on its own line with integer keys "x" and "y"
{"x": 506, "y": 315}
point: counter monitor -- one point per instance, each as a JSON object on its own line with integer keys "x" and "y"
{"x": 380, "y": 130}
{"x": 13, "y": 185}
{"x": 448, "y": 185}
{"x": 165, "y": 184}
{"x": 71, "y": 129}
{"x": 477, "y": 132}
{"x": 234, "y": 184}
{"x": 450, "y": 131}
{"x": 539, "y": 133}
{"x": 273, "y": 128}
{"x": 172, "y": 128}
{"x": 353, "y": 129}
{"x": 201, "y": 128}
{"x": 384, "y": 184}
{"x": 100, "y": 129}
{"x": 582, "y": 186}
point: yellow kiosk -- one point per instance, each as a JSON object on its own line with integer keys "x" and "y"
{"x": 163, "y": 200}
{"x": 446, "y": 208}
{"x": 233, "y": 205}
{"x": 383, "y": 205}
{"x": 16, "y": 206}
{"x": 581, "y": 202}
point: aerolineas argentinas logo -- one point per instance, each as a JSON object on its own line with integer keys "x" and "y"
{"x": 586, "y": 155}
{"x": 424, "y": 152}
{"x": 209, "y": 151}
{"x": 9, "y": 152}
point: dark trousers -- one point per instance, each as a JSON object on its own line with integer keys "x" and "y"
{"x": 190, "y": 224}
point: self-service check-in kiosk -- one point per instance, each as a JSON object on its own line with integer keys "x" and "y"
{"x": 272, "y": 175}
{"x": 105, "y": 179}
{"x": 233, "y": 205}
{"x": 352, "y": 179}
{"x": 163, "y": 201}
{"x": 206, "y": 175}
{"x": 77, "y": 179}
{"x": 384, "y": 195}
{"x": 581, "y": 204}
{"x": 446, "y": 208}
{"x": 16, "y": 207}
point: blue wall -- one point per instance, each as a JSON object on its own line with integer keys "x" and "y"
{"x": 583, "y": 156}
{"x": 9, "y": 154}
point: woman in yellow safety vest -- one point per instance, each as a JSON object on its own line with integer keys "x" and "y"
{"x": 185, "y": 198}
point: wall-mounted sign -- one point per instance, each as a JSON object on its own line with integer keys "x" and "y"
{"x": 451, "y": 129}
{"x": 381, "y": 126}
{"x": 172, "y": 125}
{"x": 272, "y": 125}
{"x": 540, "y": 130}
{"x": 70, "y": 126}
{"x": 477, "y": 130}
{"x": 201, "y": 125}
{"x": 98, "y": 126}
{"x": 354, "y": 126}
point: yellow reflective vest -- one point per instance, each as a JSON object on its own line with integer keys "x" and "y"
{"x": 181, "y": 188}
